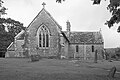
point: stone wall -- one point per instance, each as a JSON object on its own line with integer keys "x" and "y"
{"x": 18, "y": 46}
{"x": 18, "y": 51}
{"x": 51, "y": 50}
{"x": 44, "y": 19}
{"x": 64, "y": 46}
{"x": 85, "y": 51}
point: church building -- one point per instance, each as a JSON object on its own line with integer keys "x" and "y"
{"x": 44, "y": 37}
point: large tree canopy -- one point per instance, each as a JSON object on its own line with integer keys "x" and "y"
{"x": 113, "y": 7}
{"x": 9, "y": 28}
{"x": 13, "y": 27}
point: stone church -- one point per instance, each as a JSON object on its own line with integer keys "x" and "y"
{"x": 46, "y": 38}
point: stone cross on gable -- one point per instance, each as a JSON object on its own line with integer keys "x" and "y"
{"x": 43, "y": 4}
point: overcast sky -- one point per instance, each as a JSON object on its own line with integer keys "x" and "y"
{"x": 81, "y": 13}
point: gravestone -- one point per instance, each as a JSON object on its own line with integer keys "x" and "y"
{"x": 95, "y": 59}
{"x": 112, "y": 72}
{"x": 35, "y": 58}
{"x": 110, "y": 58}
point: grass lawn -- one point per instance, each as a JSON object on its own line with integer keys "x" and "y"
{"x": 52, "y": 69}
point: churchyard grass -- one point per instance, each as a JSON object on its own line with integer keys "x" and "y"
{"x": 53, "y": 69}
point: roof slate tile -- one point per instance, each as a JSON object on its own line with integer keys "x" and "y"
{"x": 85, "y": 37}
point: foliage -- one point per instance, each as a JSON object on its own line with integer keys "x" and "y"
{"x": 12, "y": 26}
{"x": 2, "y": 8}
{"x": 5, "y": 40}
{"x": 114, "y": 8}
{"x": 59, "y": 1}
{"x": 96, "y": 1}
{"x": 6, "y": 37}
{"x": 9, "y": 28}
{"x": 117, "y": 52}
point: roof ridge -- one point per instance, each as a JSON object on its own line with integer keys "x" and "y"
{"x": 53, "y": 19}
{"x": 35, "y": 17}
{"x": 49, "y": 16}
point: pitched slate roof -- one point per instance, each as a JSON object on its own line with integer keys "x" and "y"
{"x": 85, "y": 37}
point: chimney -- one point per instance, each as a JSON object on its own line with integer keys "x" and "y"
{"x": 68, "y": 28}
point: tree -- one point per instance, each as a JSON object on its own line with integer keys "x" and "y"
{"x": 6, "y": 37}
{"x": 9, "y": 28}
{"x": 2, "y": 9}
{"x": 13, "y": 27}
{"x": 59, "y": 1}
{"x": 113, "y": 7}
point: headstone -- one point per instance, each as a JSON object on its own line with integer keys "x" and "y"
{"x": 110, "y": 58}
{"x": 112, "y": 72}
{"x": 103, "y": 53}
{"x": 95, "y": 59}
{"x": 35, "y": 58}
{"x": 63, "y": 57}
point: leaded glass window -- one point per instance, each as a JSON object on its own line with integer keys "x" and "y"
{"x": 43, "y": 37}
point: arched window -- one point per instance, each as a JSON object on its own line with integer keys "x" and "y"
{"x": 43, "y": 39}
